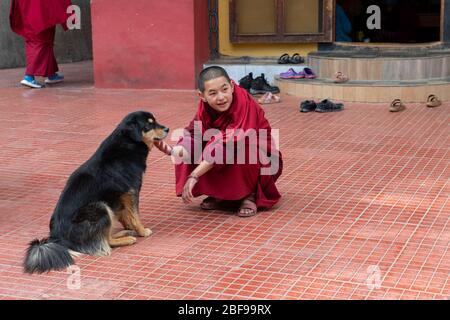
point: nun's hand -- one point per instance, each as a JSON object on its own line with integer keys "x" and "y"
{"x": 188, "y": 187}
{"x": 163, "y": 147}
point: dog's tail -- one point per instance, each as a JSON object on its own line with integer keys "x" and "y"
{"x": 46, "y": 255}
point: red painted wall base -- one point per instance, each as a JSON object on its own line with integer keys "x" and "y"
{"x": 149, "y": 44}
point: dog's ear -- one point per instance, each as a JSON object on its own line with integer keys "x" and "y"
{"x": 133, "y": 130}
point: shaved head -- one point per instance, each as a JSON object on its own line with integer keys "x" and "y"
{"x": 211, "y": 73}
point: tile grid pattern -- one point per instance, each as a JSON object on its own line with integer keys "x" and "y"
{"x": 363, "y": 190}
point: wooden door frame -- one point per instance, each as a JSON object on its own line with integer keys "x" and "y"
{"x": 325, "y": 35}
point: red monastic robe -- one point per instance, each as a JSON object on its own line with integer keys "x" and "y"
{"x": 232, "y": 181}
{"x": 35, "y": 20}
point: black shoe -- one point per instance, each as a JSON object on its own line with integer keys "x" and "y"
{"x": 246, "y": 82}
{"x": 329, "y": 106}
{"x": 261, "y": 86}
{"x": 308, "y": 106}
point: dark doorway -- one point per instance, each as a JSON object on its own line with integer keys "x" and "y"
{"x": 402, "y": 21}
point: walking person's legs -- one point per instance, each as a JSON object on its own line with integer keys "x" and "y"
{"x": 41, "y": 59}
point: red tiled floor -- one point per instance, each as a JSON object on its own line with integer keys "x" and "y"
{"x": 363, "y": 191}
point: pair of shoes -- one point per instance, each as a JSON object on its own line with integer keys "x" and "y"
{"x": 295, "y": 59}
{"x": 56, "y": 78}
{"x": 306, "y": 73}
{"x": 292, "y": 74}
{"x": 322, "y": 107}
{"x": 339, "y": 77}
{"x": 259, "y": 85}
{"x": 269, "y": 98}
{"x": 30, "y": 81}
{"x": 432, "y": 102}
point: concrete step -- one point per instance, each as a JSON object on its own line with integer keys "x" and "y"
{"x": 366, "y": 91}
{"x": 373, "y": 67}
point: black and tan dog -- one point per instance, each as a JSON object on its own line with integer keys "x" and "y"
{"x": 103, "y": 190}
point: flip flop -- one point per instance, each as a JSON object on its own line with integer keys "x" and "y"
{"x": 248, "y": 203}
{"x": 269, "y": 98}
{"x": 433, "y": 101}
{"x": 397, "y": 106}
{"x": 339, "y": 77}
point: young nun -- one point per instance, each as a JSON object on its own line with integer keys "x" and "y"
{"x": 230, "y": 112}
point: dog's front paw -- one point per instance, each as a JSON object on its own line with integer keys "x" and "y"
{"x": 147, "y": 232}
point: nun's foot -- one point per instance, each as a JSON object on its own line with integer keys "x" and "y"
{"x": 210, "y": 203}
{"x": 248, "y": 207}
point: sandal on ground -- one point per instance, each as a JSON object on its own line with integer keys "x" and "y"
{"x": 433, "y": 101}
{"x": 397, "y": 106}
{"x": 339, "y": 77}
{"x": 210, "y": 203}
{"x": 269, "y": 98}
{"x": 248, "y": 204}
